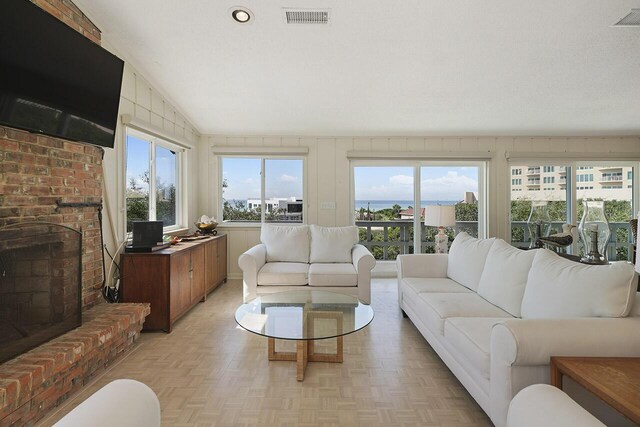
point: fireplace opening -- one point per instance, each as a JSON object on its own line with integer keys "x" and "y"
{"x": 40, "y": 285}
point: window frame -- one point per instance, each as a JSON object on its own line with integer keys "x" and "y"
{"x": 181, "y": 178}
{"x": 576, "y": 167}
{"x": 483, "y": 189}
{"x": 262, "y": 158}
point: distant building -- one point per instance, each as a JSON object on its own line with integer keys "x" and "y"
{"x": 287, "y": 208}
{"x": 550, "y": 182}
{"x": 408, "y": 213}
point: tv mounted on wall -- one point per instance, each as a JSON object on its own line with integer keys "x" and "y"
{"x": 55, "y": 81}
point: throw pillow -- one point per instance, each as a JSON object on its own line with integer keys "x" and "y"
{"x": 466, "y": 259}
{"x": 559, "y": 288}
{"x": 505, "y": 275}
{"x": 332, "y": 244}
{"x": 286, "y": 243}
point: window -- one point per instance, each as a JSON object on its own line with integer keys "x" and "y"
{"x": 592, "y": 181}
{"x": 618, "y": 207}
{"x": 153, "y": 186}
{"x": 451, "y": 185}
{"x": 554, "y": 196}
{"x": 389, "y": 203}
{"x": 516, "y": 171}
{"x": 517, "y": 181}
{"x": 262, "y": 189}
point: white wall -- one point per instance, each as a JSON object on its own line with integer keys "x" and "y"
{"x": 144, "y": 102}
{"x": 328, "y": 171}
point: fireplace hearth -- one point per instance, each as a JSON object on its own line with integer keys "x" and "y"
{"x": 40, "y": 284}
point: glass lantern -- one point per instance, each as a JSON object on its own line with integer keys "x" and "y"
{"x": 594, "y": 232}
{"x": 539, "y": 223}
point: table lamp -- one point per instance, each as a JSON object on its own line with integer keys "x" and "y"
{"x": 440, "y": 216}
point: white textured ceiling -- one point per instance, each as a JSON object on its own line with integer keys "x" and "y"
{"x": 411, "y": 67}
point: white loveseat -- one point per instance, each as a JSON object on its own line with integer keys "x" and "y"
{"x": 495, "y": 314}
{"x": 291, "y": 256}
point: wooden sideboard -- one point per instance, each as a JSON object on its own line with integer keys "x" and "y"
{"x": 175, "y": 279}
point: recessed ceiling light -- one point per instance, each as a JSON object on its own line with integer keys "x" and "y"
{"x": 241, "y": 15}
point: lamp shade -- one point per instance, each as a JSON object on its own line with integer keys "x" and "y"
{"x": 440, "y": 216}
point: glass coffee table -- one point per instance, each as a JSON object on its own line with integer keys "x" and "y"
{"x": 304, "y": 316}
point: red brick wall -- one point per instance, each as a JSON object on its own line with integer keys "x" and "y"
{"x": 34, "y": 383}
{"x": 69, "y": 13}
{"x": 35, "y": 171}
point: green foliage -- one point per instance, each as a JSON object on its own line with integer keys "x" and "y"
{"x": 138, "y": 202}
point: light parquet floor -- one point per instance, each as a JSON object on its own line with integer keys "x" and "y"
{"x": 209, "y": 372}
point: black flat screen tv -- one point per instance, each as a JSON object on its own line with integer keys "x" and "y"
{"x": 53, "y": 80}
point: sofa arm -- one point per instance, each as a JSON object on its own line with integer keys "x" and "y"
{"x": 521, "y": 349}
{"x": 250, "y": 263}
{"x": 363, "y": 262}
{"x": 531, "y": 342}
{"x": 545, "y": 405}
{"x": 422, "y": 265}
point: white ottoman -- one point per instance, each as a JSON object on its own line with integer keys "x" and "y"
{"x": 545, "y": 405}
{"x": 122, "y": 403}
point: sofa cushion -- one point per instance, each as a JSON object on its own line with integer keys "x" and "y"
{"x": 505, "y": 276}
{"x": 283, "y": 273}
{"x": 333, "y": 275}
{"x": 286, "y": 243}
{"x": 332, "y": 244}
{"x": 471, "y": 338}
{"x": 435, "y": 308}
{"x": 466, "y": 259}
{"x": 559, "y": 288}
{"x": 416, "y": 285}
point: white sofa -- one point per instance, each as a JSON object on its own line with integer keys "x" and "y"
{"x": 122, "y": 403}
{"x": 292, "y": 256}
{"x": 495, "y": 314}
{"x": 548, "y": 406}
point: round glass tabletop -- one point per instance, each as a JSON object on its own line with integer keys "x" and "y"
{"x": 304, "y": 315}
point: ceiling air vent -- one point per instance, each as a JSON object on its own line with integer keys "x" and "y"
{"x": 632, "y": 19}
{"x": 306, "y": 16}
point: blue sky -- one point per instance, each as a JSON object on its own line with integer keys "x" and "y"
{"x": 396, "y": 183}
{"x": 138, "y": 162}
{"x": 283, "y": 178}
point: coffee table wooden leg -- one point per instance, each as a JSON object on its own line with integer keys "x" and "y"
{"x": 323, "y": 357}
{"x": 302, "y": 348}
{"x": 279, "y": 355}
{"x": 555, "y": 375}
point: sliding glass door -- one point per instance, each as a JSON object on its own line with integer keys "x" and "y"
{"x": 395, "y": 205}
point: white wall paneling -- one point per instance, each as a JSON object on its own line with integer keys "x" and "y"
{"x": 147, "y": 109}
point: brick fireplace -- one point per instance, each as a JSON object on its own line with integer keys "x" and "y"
{"x": 37, "y": 173}
{"x": 40, "y": 281}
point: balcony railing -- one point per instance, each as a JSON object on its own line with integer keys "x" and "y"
{"x": 608, "y": 178}
{"x": 388, "y": 239}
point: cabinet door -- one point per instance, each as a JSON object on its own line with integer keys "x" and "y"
{"x": 211, "y": 266}
{"x": 221, "y": 270}
{"x": 197, "y": 273}
{"x": 180, "y": 282}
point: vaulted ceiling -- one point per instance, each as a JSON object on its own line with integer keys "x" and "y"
{"x": 411, "y": 67}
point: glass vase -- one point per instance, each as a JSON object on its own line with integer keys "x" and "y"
{"x": 594, "y": 232}
{"x": 539, "y": 223}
